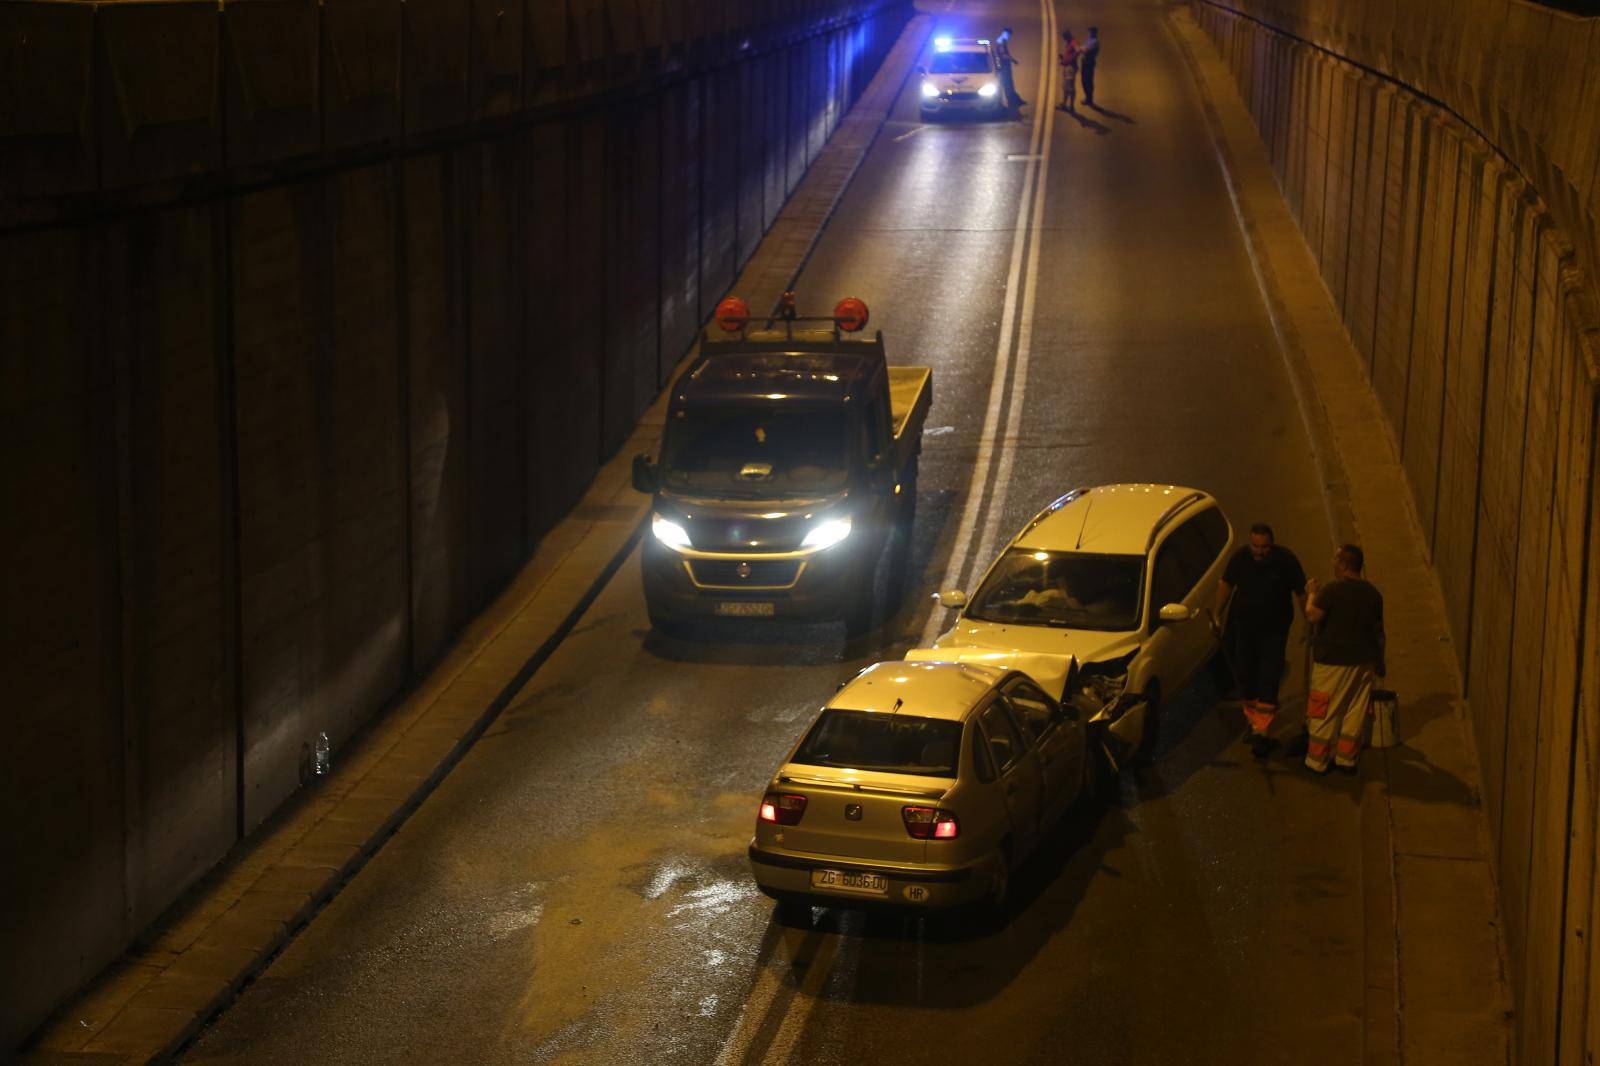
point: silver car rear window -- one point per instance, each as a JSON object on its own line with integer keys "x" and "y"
{"x": 886, "y": 743}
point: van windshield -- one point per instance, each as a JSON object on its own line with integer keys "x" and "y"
{"x": 886, "y": 743}
{"x": 757, "y": 453}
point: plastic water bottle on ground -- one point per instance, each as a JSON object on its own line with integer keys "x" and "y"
{"x": 323, "y": 757}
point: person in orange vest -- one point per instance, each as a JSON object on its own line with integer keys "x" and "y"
{"x": 1346, "y": 652}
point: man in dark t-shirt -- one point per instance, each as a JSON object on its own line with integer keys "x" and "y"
{"x": 1264, "y": 582}
{"x": 1346, "y": 653}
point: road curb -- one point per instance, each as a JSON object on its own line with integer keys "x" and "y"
{"x": 227, "y": 930}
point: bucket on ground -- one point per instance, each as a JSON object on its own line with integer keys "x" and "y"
{"x": 1385, "y": 712}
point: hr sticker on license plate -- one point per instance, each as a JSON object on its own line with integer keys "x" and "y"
{"x": 844, "y": 881}
{"x": 745, "y": 609}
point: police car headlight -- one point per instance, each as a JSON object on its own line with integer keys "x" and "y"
{"x": 989, "y": 90}
{"x": 669, "y": 533}
{"x": 929, "y": 90}
{"x": 827, "y": 534}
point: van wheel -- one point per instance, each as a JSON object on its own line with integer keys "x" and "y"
{"x": 858, "y": 615}
{"x": 666, "y": 625}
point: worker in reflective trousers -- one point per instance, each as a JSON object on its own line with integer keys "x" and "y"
{"x": 1347, "y": 650}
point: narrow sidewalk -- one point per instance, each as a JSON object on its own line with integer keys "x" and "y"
{"x": 228, "y": 928}
{"x": 1436, "y": 989}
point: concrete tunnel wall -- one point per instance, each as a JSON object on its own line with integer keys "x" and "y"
{"x": 1443, "y": 160}
{"x": 314, "y": 317}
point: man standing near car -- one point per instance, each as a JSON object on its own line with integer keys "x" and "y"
{"x": 1265, "y": 582}
{"x": 1091, "y": 56}
{"x": 1002, "y": 55}
{"x": 1346, "y": 652}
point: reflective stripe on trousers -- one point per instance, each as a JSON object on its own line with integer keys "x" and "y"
{"x": 1336, "y": 712}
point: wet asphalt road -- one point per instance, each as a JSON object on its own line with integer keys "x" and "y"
{"x": 576, "y": 889}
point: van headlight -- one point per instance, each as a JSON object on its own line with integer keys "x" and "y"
{"x": 669, "y": 533}
{"x": 827, "y": 534}
{"x": 929, "y": 90}
{"x": 988, "y": 90}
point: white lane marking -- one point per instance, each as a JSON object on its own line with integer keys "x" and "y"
{"x": 768, "y": 984}
{"x": 1019, "y": 376}
{"x": 911, "y": 133}
{"x": 1043, "y": 119}
{"x": 804, "y": 1001}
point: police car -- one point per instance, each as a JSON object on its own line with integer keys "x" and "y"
{"x": 963, "y": 75}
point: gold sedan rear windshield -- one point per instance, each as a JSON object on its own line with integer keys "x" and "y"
{"x": 886, "y": 743}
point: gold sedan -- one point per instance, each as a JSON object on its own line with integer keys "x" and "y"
{"x": 921, "y": 785}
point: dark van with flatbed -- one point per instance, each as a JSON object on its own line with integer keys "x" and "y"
{"x": 787, "y": 465}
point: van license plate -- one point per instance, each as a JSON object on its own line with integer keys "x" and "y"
{"x": 745, "y": 609}
{"x": 841, "y": 881}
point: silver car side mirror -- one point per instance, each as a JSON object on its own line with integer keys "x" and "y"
{"x": 954, "y": 599}
{"x": 1176, "y": 612}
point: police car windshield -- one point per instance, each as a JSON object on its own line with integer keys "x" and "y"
{"x": 960, "y": 63}
{"x": 886, "y": 743}
{"x": 1070, "y": 590}
{"x": 757, "y": 454}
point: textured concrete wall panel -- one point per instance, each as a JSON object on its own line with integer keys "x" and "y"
{"x": 272, "y": 69}
{"x": 497, "y": 49}
{"x": 275, "y": 350}
{"x": 769, "y": 89}
{"x": 360, "y": 72}
{"x": 1557, "y": 701}
{"x": 1505, "y": 377}
{"x": 58, "y": 631}
{"x": 587, "y": 302}
{"x": 46, "y": 104}
{"x": 159, "y": 120}
{"x": 754, "y": 151}
{"x": 1397, "y": 274}
{"x": 679, "y": 193}
{"x": 1425, "y": 381}
{"x": 719, "y": 188}
{"x": 1463, "y": 415}
{"x": 542, "y": 253}
{"x": 1529, "y": 628}
{"x": 435, "y": 45}
{"x": 495, "y": 359}
{"x": 320, "y": 530}
{"x": 161, "y": 299}
{"x": 362, "y": 652}
{"x": 545, "y": 73}
{"x": 1338, "y": 186}
{"x": 633, "y": 291}
{"x": 435, "y": 324}
{"x": 1317, "y": 161}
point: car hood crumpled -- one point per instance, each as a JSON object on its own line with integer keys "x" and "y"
{"x": 1044, "y": 654}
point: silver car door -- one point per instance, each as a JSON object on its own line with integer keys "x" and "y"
{"x": 1058, "y": 742}
{"x": 1018, "y": 768}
